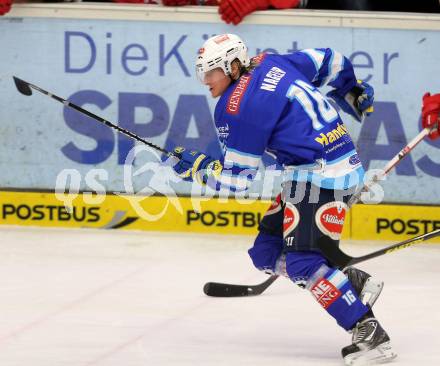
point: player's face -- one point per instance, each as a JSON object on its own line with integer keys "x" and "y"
{"x": 217, "y": 81}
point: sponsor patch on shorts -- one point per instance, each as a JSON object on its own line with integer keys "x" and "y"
{"x": 275, "y": 206}
{"x": 291, "y": 219}
{"x": 330, "y": 219}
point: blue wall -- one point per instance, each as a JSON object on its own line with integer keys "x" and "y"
{"x": 142, "y": 75}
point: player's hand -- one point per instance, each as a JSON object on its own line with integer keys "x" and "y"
{"x": 192, "y": 165}
{"x": 5, "y": 6}
{"x": 364, "y": 93}
{"x": 358, "y": 102}
{"x": 431, "y": 114}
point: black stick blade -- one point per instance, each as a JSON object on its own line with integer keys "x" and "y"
{"x": 22, "y": 86}
{"x": 216, "y": 289}
{"x": 226, "y": 290}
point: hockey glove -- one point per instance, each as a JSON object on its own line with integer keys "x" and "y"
{"x": 431, "y": 114}
{"x": 5, "y": 6}
{"x": 189, "y": 2}
{"x": 233, "y": 11}
{"x": 358, "y": 102}
{"x": 192, "y": 165}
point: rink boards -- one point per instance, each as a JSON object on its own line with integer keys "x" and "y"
{"x": 202, "y": 215}
{"x": 136, "y": 69}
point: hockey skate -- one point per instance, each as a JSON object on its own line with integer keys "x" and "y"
{"x": 366, "y": 286}
{"x": 370, "y": 345}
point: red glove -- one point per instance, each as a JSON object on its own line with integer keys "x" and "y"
{"x": 176, "y": 2}
{"x": 189, "y": 2}
{"x": 288, "y": 4}
{"x": 233, "y": 11}
{"x": 5, "y": 6}
{"x": 151, "y": 2}
{"x": 431, "y": 113}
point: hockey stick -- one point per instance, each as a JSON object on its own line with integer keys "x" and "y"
{"x": 211, "y": 288}
{"x": 334, "y": 254}
{"x": 216, "y": 289}
{"x": 391, "y": 164}
{"x": 337, "y": 257}
{"x": 25, "y": 88}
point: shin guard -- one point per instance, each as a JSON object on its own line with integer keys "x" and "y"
{"x": 332, "y": 289}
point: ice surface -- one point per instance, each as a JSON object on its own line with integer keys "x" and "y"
{"x": 120, "y": 298}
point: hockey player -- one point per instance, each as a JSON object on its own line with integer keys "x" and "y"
{"x": 271, "y": 103}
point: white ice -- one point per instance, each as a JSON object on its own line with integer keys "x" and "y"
{"x": 120, "y": 298}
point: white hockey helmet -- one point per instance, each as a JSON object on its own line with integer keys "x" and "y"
{"x": 219, "y": 52}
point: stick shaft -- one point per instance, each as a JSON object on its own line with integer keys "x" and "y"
{"x": 340, "y": 259}
{"x": 96, "y": 117}
{"x": 390, "y": 165}
{"x": 404, "y": 244}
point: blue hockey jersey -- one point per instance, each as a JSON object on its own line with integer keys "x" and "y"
{"x": 277, "y": 108}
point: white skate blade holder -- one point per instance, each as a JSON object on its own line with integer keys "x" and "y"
{"x": 381, "y": 354}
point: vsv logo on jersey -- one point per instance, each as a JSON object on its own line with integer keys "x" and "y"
{"x": 325, "y": 292}
{"x": 330, "y": 219}
{"x": 272, "y": 79}
{"x": 332, "y": 136}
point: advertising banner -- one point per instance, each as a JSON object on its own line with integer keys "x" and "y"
{"x": 140, "y": 75}
{"x": 184, "y": 214}
{"x": 390, "y": 222}
{"x": 191, "y": 214}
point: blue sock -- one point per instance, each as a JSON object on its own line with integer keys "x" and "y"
{"x": 332, "y": 289}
